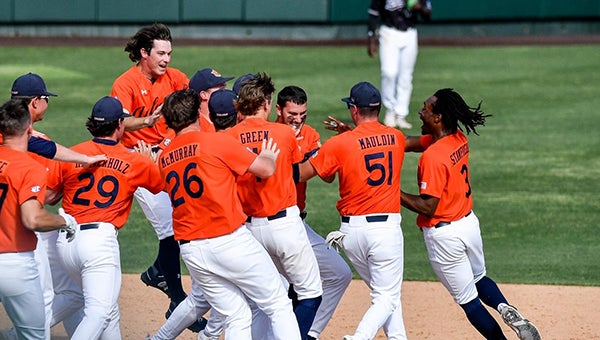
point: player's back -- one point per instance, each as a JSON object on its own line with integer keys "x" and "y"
{"x": 103, "y": 192}
{"x": 368, "y": 161}
{"x": 265, "y": 197}
{"x": 445, "y": 168}
{"x": 200, "y": 171}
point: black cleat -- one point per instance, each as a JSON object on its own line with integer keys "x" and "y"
{"x": 151, "y": 277}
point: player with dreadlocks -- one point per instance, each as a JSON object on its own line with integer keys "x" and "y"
{"x": 450, "y": 227}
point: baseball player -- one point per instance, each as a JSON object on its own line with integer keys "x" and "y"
{"x": 335, "y": 273}
{"x": 239, "y": 81}
{"x": 32, "y": 88}
{"x": 450, "y": 227}
{"x": 141, "y": 90}
{"x": 222, "y": 115}
{"x": 274, "y": 218}
{"x": 395, "y": 21}
{"x": 368, "y": 161}
{"x": 205, "y": 82}
{"x": 100, "y": 198}
{"x": 225, "y": 261}
{"x": 22, "y": 194}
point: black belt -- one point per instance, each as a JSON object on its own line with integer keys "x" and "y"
{"x": 88, "y": 226}
{"x": 370, "y": 219}
{"x": 280, "y": 214}
{"x": 183, "y": 242}
{"x": 445, "y": 223}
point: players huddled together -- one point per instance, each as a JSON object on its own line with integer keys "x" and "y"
{"x": 225, "y": 189}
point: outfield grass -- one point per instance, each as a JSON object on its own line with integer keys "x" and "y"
{"x": 535, "y": 166}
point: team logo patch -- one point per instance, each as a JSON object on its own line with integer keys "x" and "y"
{"x": 423, "y": 185}
{"x": 144, "y": 92}
{"x": 36, "y": 189}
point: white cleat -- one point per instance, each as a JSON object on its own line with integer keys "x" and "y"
{"x": 390, "y": 119}
{"x": 525, "y": 330}
{"x": 402, "y": 123}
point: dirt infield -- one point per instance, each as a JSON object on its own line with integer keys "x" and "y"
{"x": 560, "y": 312}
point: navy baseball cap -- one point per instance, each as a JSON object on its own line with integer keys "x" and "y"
{"x": 108, "y": 109}
{"x": 30, "y": 85}
{"x": 364, "y": 94}
{"x": 206, "y": 79}
{"x": 240, "y": 80}
{"x": 221, "y": 108}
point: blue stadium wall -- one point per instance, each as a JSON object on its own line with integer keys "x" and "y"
{"x": 302, "y": 17}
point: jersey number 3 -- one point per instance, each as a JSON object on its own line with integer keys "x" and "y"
{"x": 192, "y": 184}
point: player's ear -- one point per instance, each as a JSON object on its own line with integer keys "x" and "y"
{"x": 279, "y": 113}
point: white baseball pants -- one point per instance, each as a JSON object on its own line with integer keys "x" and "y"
{"x": 398, "y": 55}
{"x": 376, "y": 249}
{"x": 230, "y": 267}
{"x": 456, "y": 256}
{"x": 93, "y": 262}
{"x": 21, "y": 294}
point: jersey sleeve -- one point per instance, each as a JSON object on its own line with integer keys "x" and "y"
{"x": 123, "y": 91}
{"x": 432, "y": 175}
{"x": 33, "y": 184}
{"x": 43, "y": 147}
{"x": 325, "y": 161}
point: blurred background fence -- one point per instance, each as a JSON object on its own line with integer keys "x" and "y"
{"x": 290, "y": 20}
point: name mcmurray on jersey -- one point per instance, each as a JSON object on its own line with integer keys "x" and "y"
{"x": 178, "y": 154}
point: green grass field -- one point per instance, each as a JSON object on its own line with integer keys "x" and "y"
{"x": 536, "y": 165}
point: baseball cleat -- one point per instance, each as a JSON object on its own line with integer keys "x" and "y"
{"x": 403, "y": 124}
{"x": 196, "y": 327}
{"x": 390, "y": 120}
{"x": 525, "y": 330}
{"x": 151, "y": 277}
{"x": 348, "y": 337}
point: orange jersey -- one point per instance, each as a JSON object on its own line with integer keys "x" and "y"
{"x": 444, "y": 173}
{"x": 368, "y": 161}
{"x": 21, "y": 179}
{"x": 104, "y": 191}
{"x": 140, "y": 97}
{"x": 206, "y": 125}
{"x": 200, "y": 171}
{"x": 308, "y": 139}
{"x": 262, "y": 197}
